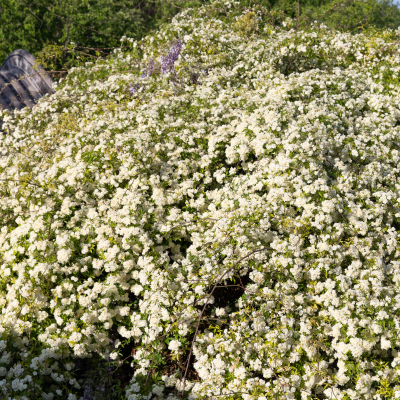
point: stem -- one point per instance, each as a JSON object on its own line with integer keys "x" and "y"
{"x": 204, "y": 307}
{"x": 298, "y": 14}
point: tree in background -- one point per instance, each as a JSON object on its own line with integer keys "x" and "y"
{"x": 63, "y": 33}
{"x": 37, "y": 25}
{"x": 351, "y": 15}
{"x": 343, "y": 15}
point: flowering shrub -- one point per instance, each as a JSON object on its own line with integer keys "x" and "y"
{"x": 247, "y": 23}
{"x": 236, "y": 239}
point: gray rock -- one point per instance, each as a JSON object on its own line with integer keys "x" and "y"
{"x": 20, "y": 84}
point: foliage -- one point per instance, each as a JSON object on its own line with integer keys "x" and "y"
{"x": 354, "y": 16}
{"x": 348, "y": 15}
{"x": 65, "y": 34}
{"x": 230, "y": 228}
{"x": 51, "y": 26}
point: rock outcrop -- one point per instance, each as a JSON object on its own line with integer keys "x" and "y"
{"x": 20, "y": 83}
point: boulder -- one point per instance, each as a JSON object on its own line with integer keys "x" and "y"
{"x": 20, "y": 83}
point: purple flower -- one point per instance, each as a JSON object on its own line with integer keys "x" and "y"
{"x": 88, "y": 392}
{"x": 167, "y": 62}
{"x": 167, "y": 65}
{"x": 147, "y": 72}
{"x": 195, "y": 79}
{"x": 134, "y": 88}
{"x": 149, "y": 69}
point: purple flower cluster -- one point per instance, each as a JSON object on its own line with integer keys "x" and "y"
{"x": 134, "y": 88}
{"x": 167, "y": 62}
{"x": 95, "y": 390}
{"x": 149, "y": 69}
{"x": 146, "y": 73}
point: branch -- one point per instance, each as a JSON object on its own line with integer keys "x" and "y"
{"x": 205, "y": 305}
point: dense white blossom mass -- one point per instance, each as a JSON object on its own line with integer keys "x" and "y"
{"x": 231, "y": 219}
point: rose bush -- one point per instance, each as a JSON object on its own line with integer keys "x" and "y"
{"x": 213, "y": 214}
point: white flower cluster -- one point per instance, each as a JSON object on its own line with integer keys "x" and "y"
{"x": 238, "y": 234}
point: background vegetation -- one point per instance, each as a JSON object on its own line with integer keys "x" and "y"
{"x": 64, "y": 33}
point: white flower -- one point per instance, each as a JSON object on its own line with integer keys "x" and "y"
{"x": 158, "y": 390}
{"x": 92, "y": 213}
{"x": 240, "y": 372}
{"x": 75, "y": 337}
{"x": 301, "y": 48}
{"x": 64, "y": 255}
{"x": 284, "y": 50}
{"x": 333, "y": 393}
{"x": 136, "y": 289}
{"x": 174, "y": 345}
{"x": 219, "y": 312}
{"x": 385, "y": 343}
{"x": 257, "y": 277}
